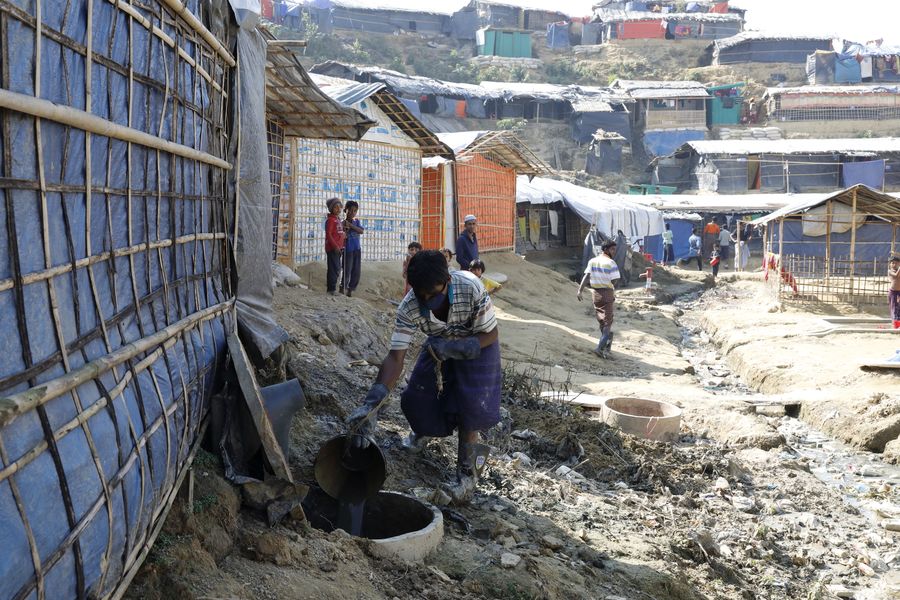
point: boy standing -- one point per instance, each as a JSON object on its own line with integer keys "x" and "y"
{"x": 352, "y": 249}
{"x": 894, "y": 292}
{"x": 334, "y": 243}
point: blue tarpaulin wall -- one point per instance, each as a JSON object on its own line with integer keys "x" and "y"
{"x": 870, "y": 173}
{"x": 847, "y": 69}
{"x": 681, "y": 231}
{"x": 873, "y": 241}
{"x": 663, "y": 142}
{"x": 91, "y": 273}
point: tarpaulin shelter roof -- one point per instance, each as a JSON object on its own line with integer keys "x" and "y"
{"x": 609, "y": 212}
{"x": 849, "y": 90}
{"x": 722, "y": 203}
{"x": 839, "y": 145}
{"x": 572, "y": 8}
{"x": 650, "y": 89}
{"x": 502, "y": 147}
{"x": 868, "y": 201}
{"x": 613, "y": 15}
{"x": 401, "y": 83}
{"x": 748, "y": 36}
{"x": 348, "y": 93}
{"x": 298, "y": 105}
{"x": 446, "y": 7}
{"x": 585, "y": 105}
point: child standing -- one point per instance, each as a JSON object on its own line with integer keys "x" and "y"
{"x": 411, "y": 251}
{"x": 352, "y": 249}
{"x": 894, "y": 292}
{"x": 334, "y": 243}
{"x": 715, "y": 259}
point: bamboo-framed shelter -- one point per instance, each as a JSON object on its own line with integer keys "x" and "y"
{"x": 832, "y": 248}
{"x": 133, "y": 183}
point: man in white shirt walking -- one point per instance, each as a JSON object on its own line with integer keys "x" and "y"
{"x": 600, "y": 273}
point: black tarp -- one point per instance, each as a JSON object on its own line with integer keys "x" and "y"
{"x": 771, "y": 51}
{"x": 585, "y": 124}
{"x": 603, "y": 157}
{"x": 253, "y": 249}
{"x": 464, "y": 24}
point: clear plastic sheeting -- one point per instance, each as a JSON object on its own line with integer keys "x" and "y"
{"x": 253, "y": 247}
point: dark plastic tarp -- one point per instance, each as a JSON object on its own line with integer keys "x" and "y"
{"x": 585, "y": 124}
{"x": 873, "y": 241}
{"x": 604, "y": 157}
{"x": 558, "y": 35}
{"x": 847, "y": 69}
{"x": 413, "y": 106}
{"x": 870, "y": 173}
{"x": 253, "y": 247}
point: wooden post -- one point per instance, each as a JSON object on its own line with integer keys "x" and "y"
{"x": 738, "y": 257}
{"x": 828, "y": 217}
{"x": 779, "y": 264}
{"x": 852, "y": 240}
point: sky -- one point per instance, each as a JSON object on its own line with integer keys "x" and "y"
{"x": 856, "y": 20}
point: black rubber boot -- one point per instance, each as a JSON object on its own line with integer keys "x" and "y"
{"x": 470, "y": 461}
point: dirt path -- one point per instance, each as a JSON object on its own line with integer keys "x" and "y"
{"x": 730, "y": 511}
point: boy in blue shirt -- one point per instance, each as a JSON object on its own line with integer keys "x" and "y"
{"x": 352, "y": 249}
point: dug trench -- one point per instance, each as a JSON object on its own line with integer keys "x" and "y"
{"x": 568, "y": 508}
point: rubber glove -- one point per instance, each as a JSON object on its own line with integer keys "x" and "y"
{"x": 362, "y": 436}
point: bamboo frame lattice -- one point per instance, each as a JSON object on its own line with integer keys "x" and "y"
{"x": 115, "y": 278}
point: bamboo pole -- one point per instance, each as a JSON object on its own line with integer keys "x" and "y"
{"x": 91, "y": 124}
{"x": 853, "y": 240}
{"x": 779, "y": 264}
{"x": 18, "y": 404}
{"x": 828, "y": 217}
{"x": 195, "y": 24}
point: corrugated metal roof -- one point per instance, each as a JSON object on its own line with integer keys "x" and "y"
{"x": 446, "y": 7}
{"x": 835, "y": 89}
{"x": 401, "y": 83}
{"x": 841, "y": 145}
{"x": 586, "y": 105}
{"x": 747, "y": 36}
{"x": 349, "y": 93}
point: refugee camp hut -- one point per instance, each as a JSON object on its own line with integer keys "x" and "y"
{"x": 300, "y": 14}
{"x": 484, "y": 180}
{"x": 382, "y": 172}
{"x": 619, "y": 24}
{"x": 543, "y": 221}
{"x": 667, "y": 113}
{"x": 297, "y": 108}
{"x": 506, "y": 42}
{"x": 725, "y": 105}
{"x": 530, "y": 15}
{"x": 835, "y": 110}
{"x": 832, "y": 249}
{"x": 532, "y": 101}
{"x": 605, "y": 153}
{"x": 761, "y": 47}
{"x": 854, "y": 63}
{"x": 599, "y": 111}
{"x": 394, "y": 16}
{"x": 683, "y": 212}
{"x": 789, "y": 166}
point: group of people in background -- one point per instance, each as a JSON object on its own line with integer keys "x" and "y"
{"x": 712, "y": 243}
{"x": 343, "y": 250}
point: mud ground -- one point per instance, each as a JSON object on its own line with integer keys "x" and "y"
{"x": 731, "y": 510}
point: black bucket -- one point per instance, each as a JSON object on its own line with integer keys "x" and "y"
{"x": 350, "y": 474}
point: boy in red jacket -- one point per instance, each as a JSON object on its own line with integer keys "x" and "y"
{"x": 334, "y": 243}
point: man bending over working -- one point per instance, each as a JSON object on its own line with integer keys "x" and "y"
{"x": 457, "y": 315}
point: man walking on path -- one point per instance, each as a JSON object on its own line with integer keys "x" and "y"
{"x": 455, "y": 312}
{"x": 600, "y": 274}
{"x": 467, "y": 243}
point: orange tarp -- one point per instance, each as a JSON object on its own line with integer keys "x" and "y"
{"x": 641, "y": 30}
{"x": 488, "y": 191}
{"x": 431, "y": 231}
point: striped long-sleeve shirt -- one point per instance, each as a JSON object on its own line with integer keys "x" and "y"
{"x": 603, "y": 271}
{"x": 471, "y": 312}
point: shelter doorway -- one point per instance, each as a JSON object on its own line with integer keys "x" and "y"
{"x": 753, "y": 172}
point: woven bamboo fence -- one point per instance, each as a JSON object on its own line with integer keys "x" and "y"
{"x": 114, "y": 279}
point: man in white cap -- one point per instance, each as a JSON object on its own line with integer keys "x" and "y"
{"x": 467, "y": 244}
